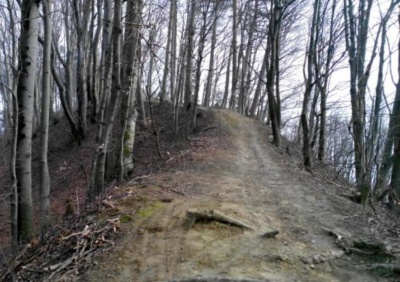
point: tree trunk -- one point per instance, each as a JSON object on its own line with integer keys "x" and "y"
{"x": 200, "y": 57}
{"x": 189, "y": 56}
{"x": 232, "y": 102}
{"x": 260, "y": 82}
{"x": 273, "y": 102}
{"x": 64, "y": 101}
{"x": 106, "y": 59}
{"x": 207, "y": 96}
{"x": 246, "y": 60}
{"x": 395, "y": 181}
{"x": 309, "y": 85}
{"x": 82, "y": 20}
{"x": 130, "y": 69}
{"x": 163, "y": 92}
{"x": 26, "y": 84}
{"x": 150, "y": 43}
{"x": 228, "y": 72}
{"x": 174, "y": 94}
{"x": 46, "y": 92}
{"x": 96, "y": 74}
{"x": 97, "y": 184}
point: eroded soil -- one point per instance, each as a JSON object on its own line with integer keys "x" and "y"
{"x": 251, "y": 182}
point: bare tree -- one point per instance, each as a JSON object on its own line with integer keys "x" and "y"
{"x": 310, "y": 82}
{"x": 129, "y": 73}
{"x": 26, "y": 86}
{"x": 97, "y": 184}
{"x": 46, "y": 92}
{"x": 82, "y": 18}
{"x": 189, "y": 56}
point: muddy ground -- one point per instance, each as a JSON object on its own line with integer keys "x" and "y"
{"x": 251, "y": 181}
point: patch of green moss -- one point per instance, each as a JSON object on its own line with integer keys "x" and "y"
{"x": 125, "y": 218}
{"x": 127, "y": 136}
{"x": 127, "y": 151}
{"x": 147, "y": 212}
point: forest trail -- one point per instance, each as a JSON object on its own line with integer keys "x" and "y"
{"x": 251, "y": 182}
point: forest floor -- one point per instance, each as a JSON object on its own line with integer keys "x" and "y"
{"x": 296, "y": 225}
{"x": 236, "y": 171}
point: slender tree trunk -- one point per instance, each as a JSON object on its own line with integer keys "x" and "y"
{"x": 64, "y": 101}
{"x": 376, "y": 119}
{"x": 273, "y": 35}
{"x": 232, "y": 102}
{"x": 106, "y": 59}
{"x": 82, "y": 20}
{"x": 174, "y": 94}
{"x": 206, "y": 102}
{"x": 13, "y": 160}
{"x": 260, "y": 82}
{"x": 26, "y": 84}
{"x": 309, "y": 85}
{"x": 46, "y": 92}
{"x": 200, "y": 57}
{"x": 12, "y": 125}
{"x": 163, "y": 91}
{"x": 97, "y": 184}
{"x": 150, "y": 43}
{"x": 70, "y": 92}
{"x": 130, "y": 69}
{"x": 395, "y": 180}
{"x": 140, "y": 95}
{"x": 323, "y": 83}
{"x": 246, "y": 60}
{"x": 96, "y": 73}
{"x": 227, "y": 80}
{"x": 189, "y": 57}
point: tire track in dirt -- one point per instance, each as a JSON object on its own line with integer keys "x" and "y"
{"x": 247, "y": 182}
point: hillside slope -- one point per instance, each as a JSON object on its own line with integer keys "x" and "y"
{"x": 248, "y": 180}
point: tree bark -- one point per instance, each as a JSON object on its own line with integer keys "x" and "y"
{"x": 163, "y": 92}
{"x": 26, "y": 84}
{"x": 207, "y": 96}
{"x": 82, "y": 21}
{"x": 260, "y": 82}
{"x": 130, "y": 70}
{"x": 246, "y": 60}
{"x": 311, "y": 77}
{"x": 232, "y": 102}
{"x": 106, "y": 59}
{"x": 395, "y": 181}
{"x": 96, "y": 74}
{"x": 227, "y": 80}
{"x": 46, "y": 92}
{"x": 189, "y": 56}
{"x": 97, "y": 184}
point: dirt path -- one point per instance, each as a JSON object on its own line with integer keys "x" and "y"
{"x": 251, "y": 183}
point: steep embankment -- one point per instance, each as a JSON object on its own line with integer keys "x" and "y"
{"x": 251, "y": 182}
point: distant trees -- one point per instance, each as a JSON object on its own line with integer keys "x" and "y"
{"x": 357, "y": 24}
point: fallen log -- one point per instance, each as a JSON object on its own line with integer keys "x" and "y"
{"x": 270, "y": 234}
{"x": 212, "y": 215}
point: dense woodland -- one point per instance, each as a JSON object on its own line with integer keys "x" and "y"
{"x": 323, "y": 73}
